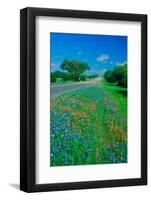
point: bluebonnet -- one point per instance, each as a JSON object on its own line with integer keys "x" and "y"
{"x": 62, "y": 140}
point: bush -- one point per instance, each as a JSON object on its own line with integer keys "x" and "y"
{"x": 83, "y": 77}
{"x": 117, "y": 75}
{"x": 67, "y": 76}
{"x": 53, "y": 78}
{"x": 120, "y": 73}
{"x": 109, "y": 76}
{"x": 58, "y": 74}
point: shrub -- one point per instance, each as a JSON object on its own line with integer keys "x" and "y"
{"x": 53, "y": 78}
{"x": 109, "y": 76}
{"x": 63, "y": 75}
{"x": 117, "y": 75}
{"x": 83, "y": 77}
{"x": 67, "y": 76}
{"x": 120, "y": 73}
{"x": 58, "y": 74}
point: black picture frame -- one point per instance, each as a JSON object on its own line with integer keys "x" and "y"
{"x": 28, "y": 98}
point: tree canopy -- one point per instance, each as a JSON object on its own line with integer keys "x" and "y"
{"x": 120, "y": 73}
{"x": 109, "y": 76}
{"x": 74, "y": 67}
{"x": 117, "y": 75}
{"x": 53, "y": 78}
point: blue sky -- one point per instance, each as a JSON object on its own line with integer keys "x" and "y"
{"x": 101, "y": 52}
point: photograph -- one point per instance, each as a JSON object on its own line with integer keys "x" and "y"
{"x": 88, "y": 99}
{"x": 83, "y": 99}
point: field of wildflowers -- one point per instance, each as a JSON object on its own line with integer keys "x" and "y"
{"x": 89, "y": 126}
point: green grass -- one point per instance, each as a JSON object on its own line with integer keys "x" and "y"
{"x": 119, "y": 94}
{"x": 89, "y": 126}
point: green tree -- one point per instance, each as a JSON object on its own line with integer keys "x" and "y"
{"x": 117, "y": 75}
{"x": 58, "y": 74}
{"x": 66, "y": 76}
{"x": 82, "y": 77}
{"x": 109, "y": 76}
{"x": 74, "y": 67}
{"x": 53, "y": 77}
{"x": 120, "y": 73}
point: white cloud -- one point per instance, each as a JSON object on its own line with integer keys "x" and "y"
{"x": 103, "y": 58}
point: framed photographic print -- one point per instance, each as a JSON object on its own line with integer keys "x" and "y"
{"x": 83, "y": 95}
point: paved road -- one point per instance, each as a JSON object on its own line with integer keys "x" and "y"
{"x": 57, "y": 90}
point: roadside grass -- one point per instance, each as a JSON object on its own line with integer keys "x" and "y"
{"x": 119, "y": 96}
{"x": 89, "y": 126}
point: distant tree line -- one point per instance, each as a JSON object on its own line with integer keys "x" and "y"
{"x": 74, "y": 71}
{"x": 117, "y": 75}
